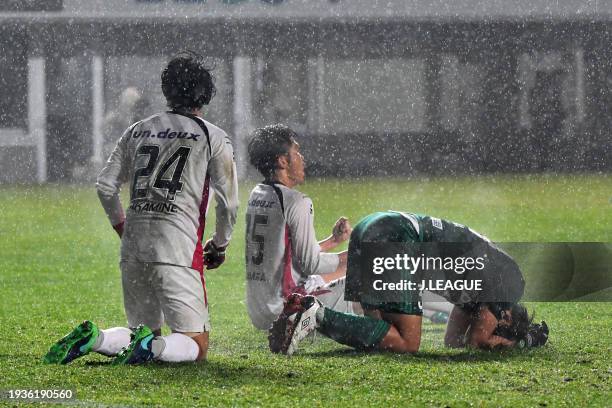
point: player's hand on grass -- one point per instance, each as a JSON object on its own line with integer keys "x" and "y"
{"x": 214, "y": 256}
{"x": 536, "y": 336}
{"x": 342, "y": 230}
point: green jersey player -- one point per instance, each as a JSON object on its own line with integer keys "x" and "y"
{"x": 487, "y": 318}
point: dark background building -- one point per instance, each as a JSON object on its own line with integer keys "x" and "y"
{"x": 375, "y": 87}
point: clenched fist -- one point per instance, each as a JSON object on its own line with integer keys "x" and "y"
{"x": 342, "y": 230}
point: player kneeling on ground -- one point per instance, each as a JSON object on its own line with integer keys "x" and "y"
{"x": 172, "y": 160}
{"x": 476, "y": 320}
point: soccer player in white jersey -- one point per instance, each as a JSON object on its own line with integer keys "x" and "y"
{"x": 173, "y": 162}
{"x": 282, "y": 254}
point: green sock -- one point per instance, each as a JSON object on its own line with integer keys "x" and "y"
{"x": 360, "y": 332}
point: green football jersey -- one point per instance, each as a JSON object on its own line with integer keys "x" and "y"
{"x": 388, "y": 226}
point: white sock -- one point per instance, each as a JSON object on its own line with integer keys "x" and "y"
{"x": 111, "y": 341}
{"x": 175, "y": 348}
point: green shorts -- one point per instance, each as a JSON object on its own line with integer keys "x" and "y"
{"x": 407, "y": 308}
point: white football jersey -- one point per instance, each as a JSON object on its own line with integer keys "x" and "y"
{"x": 281, "y": 249}
{"x": 172, "y": 161}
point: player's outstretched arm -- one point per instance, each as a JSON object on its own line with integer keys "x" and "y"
{"x": 340, "y": 271}
{"x": 340, "y": 233}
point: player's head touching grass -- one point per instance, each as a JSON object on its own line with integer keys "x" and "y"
{"x": 187, "y": 83}
{"x": 267, "y": 145}
{"x": 514, "y": 323}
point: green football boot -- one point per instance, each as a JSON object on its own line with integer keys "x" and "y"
{"x": 75, "y": 344}
{"x": 139, "y": 349}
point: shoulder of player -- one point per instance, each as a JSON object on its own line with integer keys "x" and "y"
{"x": 291, "y": 197}
{"x": 296, "y": 200}
{"x": 148, "y": 119}
{"x": 215, "y": 133}
{"x": 151, "y": 117}
{"x": 127, "y": 133}
{"x": 136, "y": 125}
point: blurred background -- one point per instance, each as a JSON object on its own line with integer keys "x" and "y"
{"x": 373, "y": 87}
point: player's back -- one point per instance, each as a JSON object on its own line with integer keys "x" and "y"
{"x": 267, "y": 252}
{"x": 167, "y": 157}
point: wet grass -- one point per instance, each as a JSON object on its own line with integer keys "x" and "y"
{"x": 59, "y": 265}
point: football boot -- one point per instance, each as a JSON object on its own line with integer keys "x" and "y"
{"x": 139, "y": 350}
{"x": 294, "y": 324}
{"x": 75, "y": 344}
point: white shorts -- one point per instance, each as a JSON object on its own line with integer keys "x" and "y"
{"x": 156, "y": 293}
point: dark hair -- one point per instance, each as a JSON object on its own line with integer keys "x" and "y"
{"x": 267, "y": 144}
{"x": 186, "y": 82}
{"x": 519, "y": 326}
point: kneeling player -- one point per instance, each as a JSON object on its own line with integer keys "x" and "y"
{"x": 172, "y": 161}
{"x": 476, "y": 321}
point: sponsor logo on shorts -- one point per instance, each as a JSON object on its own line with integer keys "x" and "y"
{"x": 305, "y": 323}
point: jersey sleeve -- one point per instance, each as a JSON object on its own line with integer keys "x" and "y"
{"x": 113, "y": 175}
{"x": 224, "y": 182}
{"x": 307, "y": 252}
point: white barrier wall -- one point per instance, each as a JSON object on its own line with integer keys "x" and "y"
{"x": 37, "y": 114}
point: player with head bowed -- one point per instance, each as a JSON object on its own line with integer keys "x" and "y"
{"x": 282, "y": 254}
{"x": 174, "y": 162}
{"x": 485, "y": 317}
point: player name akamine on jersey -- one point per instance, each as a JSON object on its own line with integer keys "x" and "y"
{"x": 152, "y": 206}
{"x": 166, "y": 134}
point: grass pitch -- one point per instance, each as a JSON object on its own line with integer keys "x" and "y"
{"x": 59, "y": 266}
